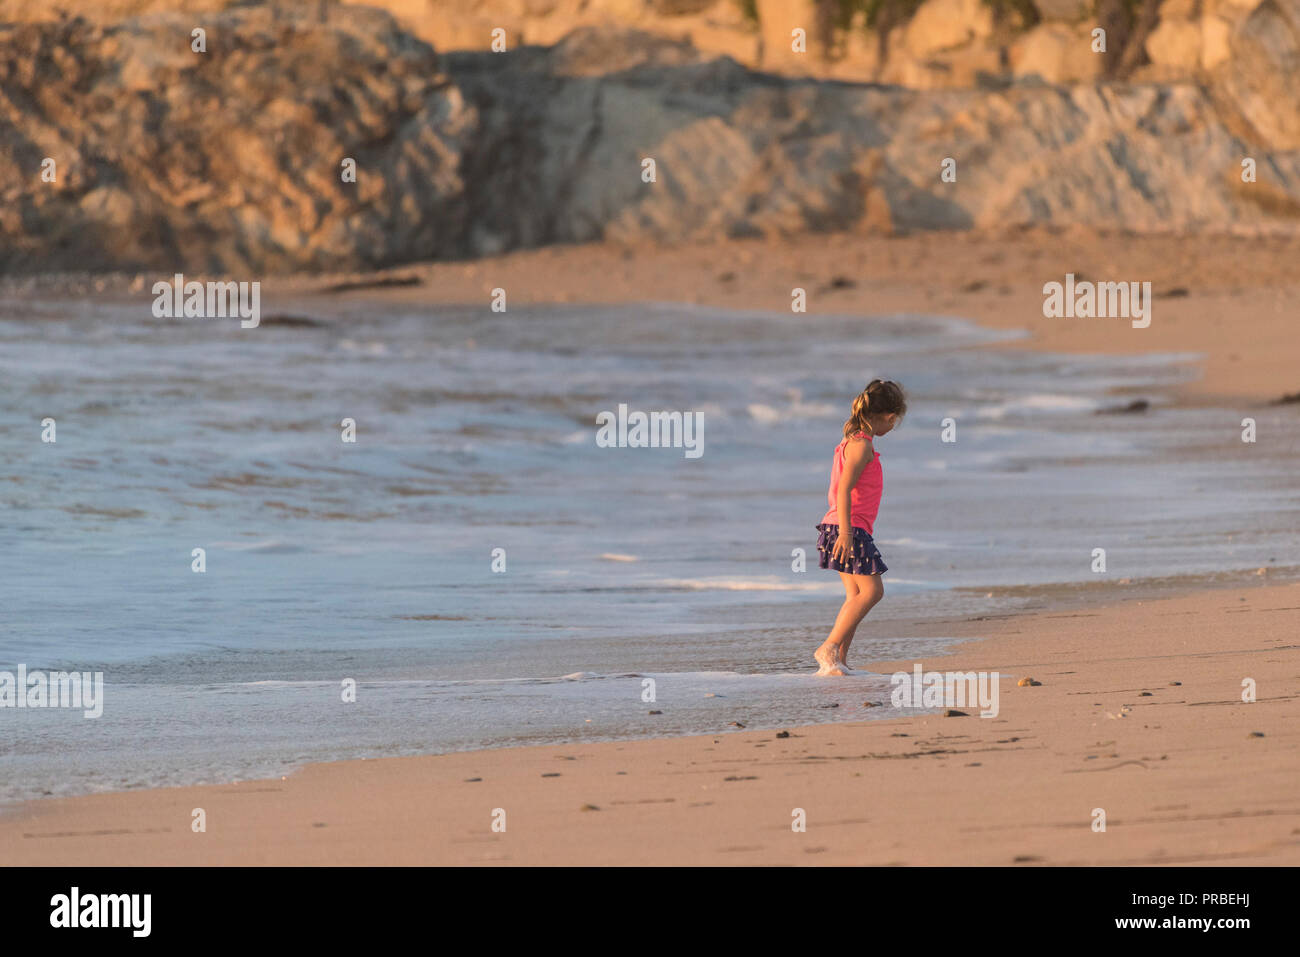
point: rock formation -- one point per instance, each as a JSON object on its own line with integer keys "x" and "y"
{"x": 230, "y": 160}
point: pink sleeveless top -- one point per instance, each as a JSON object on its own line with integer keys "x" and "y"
{"x": 864, "y": 501}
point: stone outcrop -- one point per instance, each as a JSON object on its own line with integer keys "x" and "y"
{"x": 1259, "y": 81}
{"x": 943, "y": 44}
{"x": 230, "y": 161}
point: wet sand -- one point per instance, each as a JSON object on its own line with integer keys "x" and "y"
{"x": 1138, "y": 713}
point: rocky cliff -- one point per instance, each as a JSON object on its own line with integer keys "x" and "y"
{"x": 232, "y": 160}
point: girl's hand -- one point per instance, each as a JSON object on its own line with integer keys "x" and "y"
{"x": 843, "y": 550}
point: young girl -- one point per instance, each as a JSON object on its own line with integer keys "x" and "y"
{"x": 845, "y": 541}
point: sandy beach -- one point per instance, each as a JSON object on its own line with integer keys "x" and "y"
{"x": 1138, "y": 713}
{"x": 1229, "y": 299}
{"x": 242, "y": 524}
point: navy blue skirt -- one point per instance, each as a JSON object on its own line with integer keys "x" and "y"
{"x": 865, "y": 560}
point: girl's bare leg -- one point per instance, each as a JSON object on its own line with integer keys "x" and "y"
{"x": 866, "y": 585}
{"x": 862, "y": 594}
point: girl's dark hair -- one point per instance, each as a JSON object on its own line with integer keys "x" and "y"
{"x": 880, "y": 397}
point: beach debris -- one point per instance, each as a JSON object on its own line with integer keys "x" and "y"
{"x": 1257, "y": 734}
{"x": 287, "y": 321}
{"x": 590, "y": 807}
{"x": 1174, "y": 684}
{"x": 871, "y": 704}
{"x": 1145, "y": 694}
{"x": 1137, "y": 405}
{"x": 378, "y": 282}
{"x": 783, "y": 734}
{"x": 1028, "y": 683}
{"x": 954, "y": 713}
{"x": 655, "y": 712}
{"x": 736, "y": 724}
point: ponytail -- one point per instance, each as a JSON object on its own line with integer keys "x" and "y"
{"x": 880, "y": 397}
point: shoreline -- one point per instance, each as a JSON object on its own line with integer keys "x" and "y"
{"x": 1181, "y": 777}
{"x": 1226, "y": 299}
{"x": 416, "y": 810}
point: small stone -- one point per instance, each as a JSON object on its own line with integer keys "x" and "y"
{"x": 954, "y": 713}
{"x": 1145, "y": 694}
{"x": 783, "y": 734}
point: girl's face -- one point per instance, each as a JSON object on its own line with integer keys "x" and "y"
{"x": 883, "y": 424}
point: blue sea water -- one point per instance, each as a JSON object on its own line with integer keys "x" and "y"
{"x": 476, "y": 431}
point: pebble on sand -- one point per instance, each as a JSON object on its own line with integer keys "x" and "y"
{"x": 783, "y": 734}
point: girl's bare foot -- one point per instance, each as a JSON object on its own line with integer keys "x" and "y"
{"x": 829, "y": 660}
